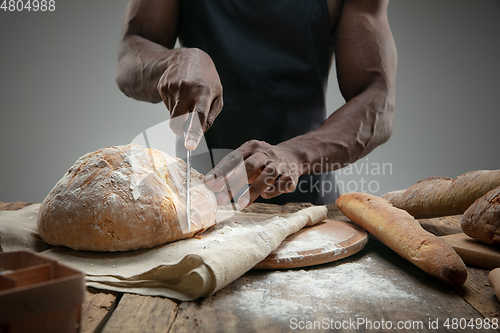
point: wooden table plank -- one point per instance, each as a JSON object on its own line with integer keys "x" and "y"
{"x": 373, "y": 285}
{"x": 441, "y": 226}
{"x": 136, "y": 313}
{"x": 13, "y": 205}
{"x": 478, "y": 292}
{"x": 96, "y": 309}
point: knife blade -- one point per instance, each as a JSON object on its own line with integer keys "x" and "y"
{"x": 188, "y": 190}
{"x": 187, "y": 123}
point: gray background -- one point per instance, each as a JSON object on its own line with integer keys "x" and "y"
{"x": 59, "y": 99}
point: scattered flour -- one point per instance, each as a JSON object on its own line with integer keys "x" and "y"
{"x": 327, "y": 287}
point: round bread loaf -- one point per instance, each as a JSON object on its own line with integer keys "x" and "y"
{"x": 124, "y": 198}
{"x": 481, "y": 220}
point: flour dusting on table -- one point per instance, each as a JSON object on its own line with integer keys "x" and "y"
{"x": 325, "y": 287}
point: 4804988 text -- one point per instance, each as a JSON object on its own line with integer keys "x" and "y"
{"x": 28, "y": 5}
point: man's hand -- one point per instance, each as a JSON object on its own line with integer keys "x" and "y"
{"x": 191, "y": 84}
{"x": 271, "y": 171}
{"x": 151, "y": 69}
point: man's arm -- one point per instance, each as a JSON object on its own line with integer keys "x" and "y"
{"x": 366, "y": 63}
{"x": 150, "y": 69}
{"x": 149, "y": 33}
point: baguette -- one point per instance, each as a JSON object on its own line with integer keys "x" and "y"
{"x": 481, "y": 220}
{"x": 402, "y": 233}
{"x": 441, "y": 196}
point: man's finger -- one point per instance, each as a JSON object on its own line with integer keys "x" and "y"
{"x": 284, "y": 184}
{"x": 195, "y": 129}
{"x": 266, "y": 179}
{"x": 215, "y": 109}
{"x": 233, "y": 183}
{"x": 254, "y": 176}
{"x": 244, "y": 200}
{"x": 256, "y": 164}
{"x": 223, "y": 168}
{"x": 178, "y": 116}
{"x": 251, "y": 147}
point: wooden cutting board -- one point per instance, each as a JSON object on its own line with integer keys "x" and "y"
{"x": 474, "y": 252}
{"x": 324, "y": 242}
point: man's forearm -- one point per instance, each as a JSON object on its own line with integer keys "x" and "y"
{"x": 350, "y": 133}
{"x": 140, "y": 66}
{"x": 366, "y": 61}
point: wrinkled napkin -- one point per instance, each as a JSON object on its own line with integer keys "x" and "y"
{"x": 183, "y": 270}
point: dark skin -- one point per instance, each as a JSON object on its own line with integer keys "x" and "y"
{"x": 150, "y": 69}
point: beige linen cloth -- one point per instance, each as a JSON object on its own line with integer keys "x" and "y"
{"x": 183, "y": 270}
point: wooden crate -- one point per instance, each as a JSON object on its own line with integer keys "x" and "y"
{"x": 39, "y": 294}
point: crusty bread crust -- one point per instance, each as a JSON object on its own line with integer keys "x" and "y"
{"x": 440, "y": 196}
{"x": 481, "y": 220}
{"x": 124, "y": 198}
{"x": 402, "y": 233}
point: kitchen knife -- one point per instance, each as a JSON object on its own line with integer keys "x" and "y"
{"x": 188, "y": 190}
{"x": 188, "y": 174}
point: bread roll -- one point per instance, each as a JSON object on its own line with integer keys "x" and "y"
{"x": 124, "y": 198}
{"x": 482, "y": 220}
{"x": 402, "y": 233}
{"x": 440, "y": 196}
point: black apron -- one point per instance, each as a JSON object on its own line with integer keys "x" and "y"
{"x": 273, "y": 59}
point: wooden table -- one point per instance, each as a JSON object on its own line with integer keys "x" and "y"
{"x": 386, "y": 291}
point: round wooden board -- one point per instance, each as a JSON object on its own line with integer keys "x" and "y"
{"x": 324, "y": 242}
